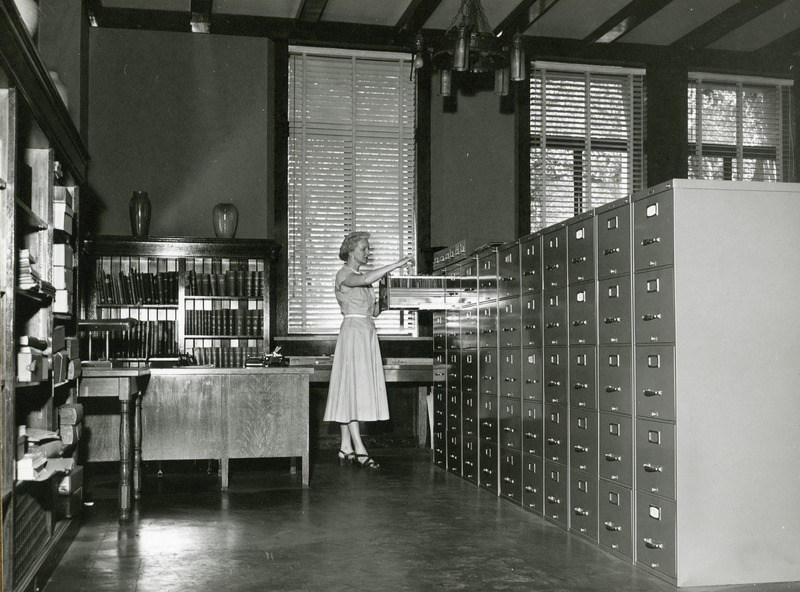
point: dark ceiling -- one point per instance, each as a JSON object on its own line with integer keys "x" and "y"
{"x": 757, "y": 35}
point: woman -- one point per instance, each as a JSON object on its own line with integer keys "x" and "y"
{"x": 357, "y": 389}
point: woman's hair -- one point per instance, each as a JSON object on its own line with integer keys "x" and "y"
{"x": 349, "y": 243}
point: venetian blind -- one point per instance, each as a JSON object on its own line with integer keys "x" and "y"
{"x": 351, "y": 167}
{"x": 587, "y": 138}
{"x": 739, "y": 128}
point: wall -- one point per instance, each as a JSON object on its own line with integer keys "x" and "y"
{"x": 183, "y": 117}
{"x": 472, "y": 165}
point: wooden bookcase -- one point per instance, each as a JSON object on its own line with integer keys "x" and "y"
{"x": 206, "y": 298}
{"x": 43, "y": 163}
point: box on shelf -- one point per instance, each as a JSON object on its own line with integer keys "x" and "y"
{"x": 32, "y": 366}
{"x": 60, "y": 365}
{"x": 63, "y": 277}
{"x": 31, "y": 465}
{"x": 63, "y": 194}
{"x": 74, "y": 368}
{"x": 59, "y": 340}
{"x": 71, "y": 482}
{"x": 63, "y": 301}
{"x": 68, "y": 506}
{"x": 73, "y": 347}
{"x": 62, "y": 217}
{"x": 63, "y": 255}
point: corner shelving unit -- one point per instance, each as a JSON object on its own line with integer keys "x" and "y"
{"x": 42, "y": 159}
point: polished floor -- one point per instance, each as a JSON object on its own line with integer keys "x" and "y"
{"x": 408, "y": 527}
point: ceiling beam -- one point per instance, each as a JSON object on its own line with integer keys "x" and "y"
{"x": 310, "y": 11}
{"x": 523, "y": 16}
{"x": 625, "y": 20}
{"x": 785, "y": 45}
{"x": 725, "y": 22}
{"x": 415, "y": 17}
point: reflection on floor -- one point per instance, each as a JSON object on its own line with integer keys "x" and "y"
{"x": 408, "y": 527}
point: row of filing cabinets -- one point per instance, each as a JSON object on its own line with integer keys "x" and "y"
{"x": 596, "y": 374}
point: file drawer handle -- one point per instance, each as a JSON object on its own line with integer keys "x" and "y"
{"x": 610, "y": 320}
{"x": 530, "y": 326}
{"x": 531, "y": 436}
{"x": 611, "y": 251}
{"x": 510, "y": 379}
{"x": 507, "y": 279}
{"x": 551, "y": 499}
{"x": 652, "y": 393}
{"x": 527, "y": 273}
{"x": 613, "y": 457}
{"x": 650, "y": 544}
{"x": 579, "y": 323}
{"x": 553, "y": 441}
{"x": 650, "y": 468}
{"x": 552, "y": 267}
{"x": 650, "y": 241}
{"x": 651, "y": 317}
{"x": 512, "y": 430}
{"x": 579, "y": 448}
{"x": 487, "y": 331}
{"x": 529, "y": 488}
{"x": 553, "y": 383}
{"x": 613, "y": 527}
{"x": 578, "y": 259}
{"x": 509, "y": 329}
{"x": 531, "y": 381}
{"x": 581, "y": 512}
{"x": 578, "y": 386}
{"x": 613, "y": 389}
{"x": 552, "y": 325}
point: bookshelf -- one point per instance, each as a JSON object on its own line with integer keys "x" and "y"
{"x": 206, "y": 298}
{"x": 43, "y": 163}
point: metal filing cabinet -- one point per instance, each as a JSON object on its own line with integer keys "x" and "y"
{"x": 615, "y": 378}
{"x": 694, "y": 400}
{"x": 488, "y": 369}
{"x": 715, "y": 284}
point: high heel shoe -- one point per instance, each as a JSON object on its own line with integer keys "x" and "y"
{"x": 346, "y": 458}
{"x": 369, "y": 463}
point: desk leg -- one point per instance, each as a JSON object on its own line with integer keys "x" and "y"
{"x": 223, "y": 472}
{"x": 137, "y": 448}
{"x": 124, "y": 461}
{"x": 421, "y": 416}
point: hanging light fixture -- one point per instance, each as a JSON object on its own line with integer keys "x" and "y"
{"x": 470, "y": 45}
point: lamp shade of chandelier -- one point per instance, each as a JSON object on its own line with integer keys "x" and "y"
{"x": 470, "y": 45}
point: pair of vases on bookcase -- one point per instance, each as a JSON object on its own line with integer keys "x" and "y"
{"x": 225, "y": 216}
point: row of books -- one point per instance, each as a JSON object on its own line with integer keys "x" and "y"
{"x": 224, "y": 357}
{"x": 137, "y": 287}
{"x": 234, "y": 282}
{"x": 225, "y": 322}
{"x": 147, "y": 339}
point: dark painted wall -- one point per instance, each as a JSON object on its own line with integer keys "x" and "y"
{"x": 472, "y": 166}
{"x": 185, "y": 118}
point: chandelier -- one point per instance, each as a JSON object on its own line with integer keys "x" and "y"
{"x": 469, "y": 45}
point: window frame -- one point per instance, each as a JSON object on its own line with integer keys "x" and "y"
{"x": 407, "y": 326}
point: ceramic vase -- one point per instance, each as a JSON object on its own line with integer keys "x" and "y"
{"x": 225, "y": 217}
{"x": 140, "y": 210}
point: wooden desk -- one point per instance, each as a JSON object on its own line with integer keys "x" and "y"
{"x": 193, "y": 413}
{"x": 128, "y": 386}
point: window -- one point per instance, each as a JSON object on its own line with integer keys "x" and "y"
{"x": 587, "y": 136}
{"x": 739, "y": 128}
{"x": 351, "y": 167}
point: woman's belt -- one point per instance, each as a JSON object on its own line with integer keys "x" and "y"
{"x": 363, "y": 316}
